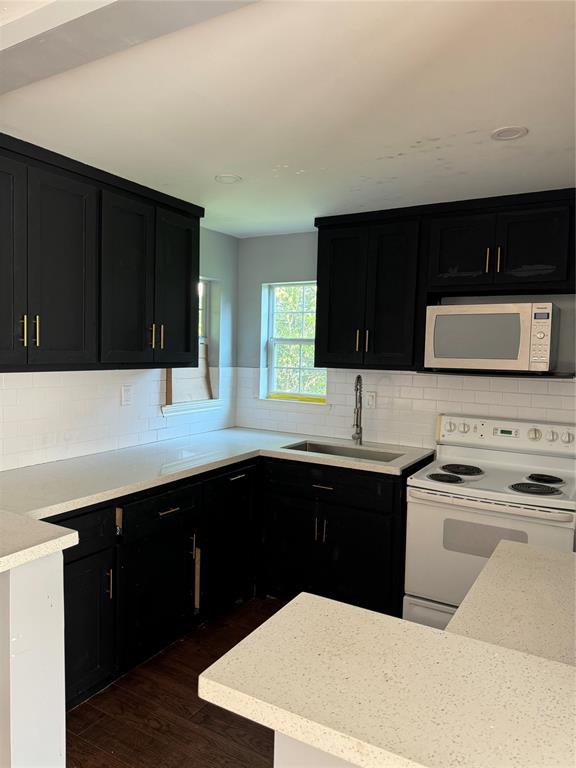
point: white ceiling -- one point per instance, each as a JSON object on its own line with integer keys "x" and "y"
{"x": 323, "y": 107}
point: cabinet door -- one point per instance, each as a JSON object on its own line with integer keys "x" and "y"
{"x": 361, "y": 557}
{"x": 226, "y": 541}
{"x": 342, "y": 264}
{"x": 62, "y": 269}
{"x": 391, "y": 295}
{"x": 177, "y": 274}
{"x": 12, "y": 261}
{"x": 532, "y": 245}
{"x": 90, "y": 631}
{"x": 289, "y": 556}
{"x": 155, "y": 590}
{"x": 461, "y": 250}
{"x": 127, "y": 284}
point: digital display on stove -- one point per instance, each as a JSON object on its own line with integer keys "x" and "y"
{"x": 506, "y": 432}
{"x": 541, "y": 315}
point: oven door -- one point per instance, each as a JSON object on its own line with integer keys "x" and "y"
{"x": 449, "y": 539}
{"x": 479, "y": 336}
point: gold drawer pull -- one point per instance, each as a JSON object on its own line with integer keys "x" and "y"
{"x": 324, "y": 531}
{"x": 498, "y": 259}
{"x": 237, "y": 477}
{"x": 24, "y": 324}
{"x": 169, "y": 511}
{"x": 487, "y": 265}
{"x": 37, "y": 330}
{"x": 357, "y": 339}
{"x": 323, "y": 487}
{"x": 153, "y": 332}
{"x": 162, "y": 336}
{"x": 366, "y": 343}
{"x": 110, "y": 590}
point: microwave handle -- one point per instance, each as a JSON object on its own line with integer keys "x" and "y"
{"x": 489, "y": 506}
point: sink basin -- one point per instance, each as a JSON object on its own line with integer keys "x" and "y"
{"x": 352, "y": 451}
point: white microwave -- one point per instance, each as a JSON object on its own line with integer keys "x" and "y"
{"x": 493, "y": 337}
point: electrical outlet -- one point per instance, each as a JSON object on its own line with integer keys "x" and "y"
{"x": 370, "y": 400}
{"x": 126, "y": 394}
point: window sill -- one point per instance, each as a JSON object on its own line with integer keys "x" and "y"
{"x": 314, "y": 406}
{"x": 180, "y": 409}
{"x": 297, "y": 398}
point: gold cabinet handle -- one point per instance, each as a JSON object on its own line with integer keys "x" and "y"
{"x": 110, "y": 590}
{"x": 168, "y": 511}
{"x": 322, "y": 487}
{"x": 357, "y": 339}
{"x": 315, "y": 527}
{"x": 162, "y": 336}
{"x": 197, "y": 578}
{"x": 324, "y": 531}
{"x": 153, "y": 338}
{"x": 366, "y": 341}
{"x": 37, "y": 330}
{"x": 487, "y": 264}
{"x": 498, "y": 253}
{"x": 24, "y": 324}
{"x": 236, "y": 477}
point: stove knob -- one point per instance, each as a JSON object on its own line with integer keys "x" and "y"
{"x": 567, "y": 437}
{"x": 534, "y": 434}
{"x": 464, "y": 428}
{"x": 551, "y": 436}
{"x": 450, "y": 426}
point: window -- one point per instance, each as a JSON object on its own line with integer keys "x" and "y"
{"x": 292, "y": 326}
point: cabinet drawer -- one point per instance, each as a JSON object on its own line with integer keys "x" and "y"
{"x": 96, "y": 531}
{"x": 225, "y": 487}
{"x": 332, "y": 484}
{"x": 155, "y": 513}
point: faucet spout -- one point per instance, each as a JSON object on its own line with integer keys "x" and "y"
{"x": 357, "y": 434}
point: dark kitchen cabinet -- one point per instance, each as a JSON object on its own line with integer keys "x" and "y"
{"x": 333, "y": 532}
{"x": 13, "y": 278}
{"x": 176, "y": 288}
{"x": 127, "y": 280}
{"x": 90, "y": 622}
{"x": 90, "y": 603}
{"x": 362, "y": 557}
{"x": 391, "y": 295}
{"x": 461, "y": 250}
{"x": 517, "y": 246}
{"x": 62, "y": 269}
{"x": 226, "y": 540}
{"x": 532, "y": 245}
{"x": 341, "y": 298}
{"x": 367, "y": 279}
{"x": 157, "y": 571}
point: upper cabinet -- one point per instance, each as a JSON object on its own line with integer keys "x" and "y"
{"x": 127, "y": 293}
{"x": 13, "y": 263}
{"x": 367, "y": 277}
{"x": 514, "y": 247}
{"x": 95, "y": 271}
{"x": 62, "y": 269}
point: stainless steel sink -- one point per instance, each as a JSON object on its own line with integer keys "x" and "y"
{"x": 351, "y": 451}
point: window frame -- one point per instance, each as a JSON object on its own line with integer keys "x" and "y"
{"x": 272, "y": 341}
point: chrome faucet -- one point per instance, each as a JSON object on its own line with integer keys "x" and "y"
{"x": 357, "y": 436}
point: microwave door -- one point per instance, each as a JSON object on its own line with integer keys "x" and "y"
{"x": 481, "y": 337}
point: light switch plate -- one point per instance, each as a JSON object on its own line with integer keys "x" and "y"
{"x": 126, "y": 394}
{"x": 370, "y": 400}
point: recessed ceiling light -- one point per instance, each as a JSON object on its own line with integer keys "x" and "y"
{"x": 227, "y": 178}
{"x": 509, "y": 133}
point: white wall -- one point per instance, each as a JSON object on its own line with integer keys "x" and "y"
{"x": 406, "y": 404}
{"x": 51, "y": 416}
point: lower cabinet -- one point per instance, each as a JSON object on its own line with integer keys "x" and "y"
{"x": 335, "y": 533}
{"x": 225, "y": 544}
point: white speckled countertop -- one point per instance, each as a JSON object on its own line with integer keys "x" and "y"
{"x": 523, "y": 599}
{"x": 23, "y": 540}
{"x": 51, "y": 489}
{"x": 381, "y": 692}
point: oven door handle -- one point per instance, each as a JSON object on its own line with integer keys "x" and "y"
{"x": 490, "y": 506}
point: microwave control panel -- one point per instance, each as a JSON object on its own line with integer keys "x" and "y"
{"x": 541, "y": 336}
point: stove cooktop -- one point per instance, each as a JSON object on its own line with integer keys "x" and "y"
{"x": 467, "y": 470}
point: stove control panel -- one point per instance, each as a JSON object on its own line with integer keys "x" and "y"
{"x": 500, "y": 434}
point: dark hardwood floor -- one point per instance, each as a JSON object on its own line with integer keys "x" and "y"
{"x": 152, "y": 717}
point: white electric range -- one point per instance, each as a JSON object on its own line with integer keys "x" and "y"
{"x": 492, "y": 479}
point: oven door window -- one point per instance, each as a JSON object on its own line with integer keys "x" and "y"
{"x": 477, "y": 538}
{"x": 478, "y": 337}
